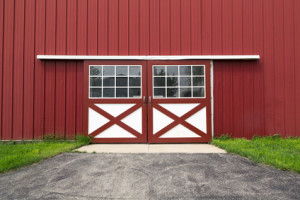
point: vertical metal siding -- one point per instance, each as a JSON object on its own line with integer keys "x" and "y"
{"x": 18, "y": 70}
{"x": 297, "y": 64}
{"x": 250, "y": 98}
{"x": 71, "y": 69}
{"x": 1, "y": 61}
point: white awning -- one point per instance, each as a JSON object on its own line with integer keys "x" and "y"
{"x": 180, "y": 57}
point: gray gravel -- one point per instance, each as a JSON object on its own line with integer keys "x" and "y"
{"x": 149, "y": 176}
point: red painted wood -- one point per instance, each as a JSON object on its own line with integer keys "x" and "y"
{"x": 227, "y": 42}
{"x": 218, "y": 69}
{"x": 175, "y": 39}
{"x": 115, "y": 120}
{"x": 102, "y": 27}
{"x": 177, "y": 120}
{"x": 1, "y": 58}
{"x": 71, "y": 69}
{"x": 8, "y": 49}
{"x": 289, "y": 69}
{"x": 90, "y": 103}
{"x": 154, "y": 138}
{"x": 258, "y": 69}
{"x": 164, "y": 27}
{"x": 18, "y": 70}
{"x": 39, "y": 81}
{"x": 154, "y": 27}
{"x": 123, "y": 27}
{"x": 279, "y": 66}
{"x": 248, "y": 69}
{"x": 113, "y": 27}
{"x": 60, "y": 71}
{"x": 297, "y": 63}
{"x": 50, "y": 68}
{"x": 133, "y": 27}
{"x": 237, "y": 76}
{"x": 185, "y": 27}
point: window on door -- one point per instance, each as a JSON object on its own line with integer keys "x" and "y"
{"x": 178, "y": 81}
{"x": 115, "y": 81}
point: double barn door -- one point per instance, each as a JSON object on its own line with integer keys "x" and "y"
{"x": 147, "y": 101}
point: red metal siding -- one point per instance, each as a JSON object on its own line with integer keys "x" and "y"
{"x": 250, "y": 98}
{"x": 1, "y": 60}
{"x": 297, "y": 64}
{"x": 71, "y": 69}
{"x": 39, "y": 75}
{"x": 18, "y": 70}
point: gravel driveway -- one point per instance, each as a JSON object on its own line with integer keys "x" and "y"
{"x": 149, "y": 176}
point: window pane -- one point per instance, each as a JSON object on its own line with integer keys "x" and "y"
{"x": 172, "y": 81}
{"x": 122, "y": 92}
{"x": 198, "y": 70}
{"x": 95, "y": 92}
{"x": 159, "y": 81}
{"x": 185, "y": 81}
{"x": 109, "y": 70}
{"x": 95, "y": 81}
{"x": 172, "y": 70}
{"x": 172, "y": 92}
{"x": 159, "y": 92}
{"x": 198, "y": 92}
{"x": 185, "y": 92}
{"x": 134, "y": 81}
{"x": 159, "y": 71}
{"x": 185, "y": 70}
{"x": 122, "y": 70}
{"x": 108, "y": 92}
{"x": 122, "y": 81}
{"x": 95, "y": 70}
{"x": 134, "y": 92}
{"x": 108, "y": 81}
{"x": 135, "y": 70}
{"x": 198, "y": 81}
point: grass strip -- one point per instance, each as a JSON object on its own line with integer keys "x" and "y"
{"x": 281, "y": 153}
{"x": 16, "y": 155}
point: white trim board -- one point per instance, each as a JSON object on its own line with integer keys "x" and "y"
{"x": 194, "y": 57}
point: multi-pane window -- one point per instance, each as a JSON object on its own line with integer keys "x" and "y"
{"x": 115, "y": 81}
{"x": 179, "y": 81}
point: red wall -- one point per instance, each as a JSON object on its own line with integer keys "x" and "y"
{"x": 260, "y": 98}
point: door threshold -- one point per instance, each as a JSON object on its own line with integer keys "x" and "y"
{"x": 150, "y": 148}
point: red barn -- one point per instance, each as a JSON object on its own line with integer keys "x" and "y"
{"x": 156, "y": 71}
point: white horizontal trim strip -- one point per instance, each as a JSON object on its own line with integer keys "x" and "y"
{"x": 202, "y": 57}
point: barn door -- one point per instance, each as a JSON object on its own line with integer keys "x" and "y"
{"x": 115, "y": 110}
{"x": 179, "y": 108}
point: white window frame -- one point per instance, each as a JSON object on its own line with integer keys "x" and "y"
{"x": 115, "y": 86}
{"x": 179, "y": 76}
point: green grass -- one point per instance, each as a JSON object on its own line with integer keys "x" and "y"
{"x": 282, "y": 153}
{"x": 16, "y": 155}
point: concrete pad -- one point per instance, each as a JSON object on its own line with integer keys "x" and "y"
{"x": 114, "y": 148}
{"x": 150, "y": 148}
{"x": 184, "y": 148}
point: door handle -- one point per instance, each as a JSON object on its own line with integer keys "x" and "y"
{"x": 150, "y": 100}
{"x": 144, "y": 100}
